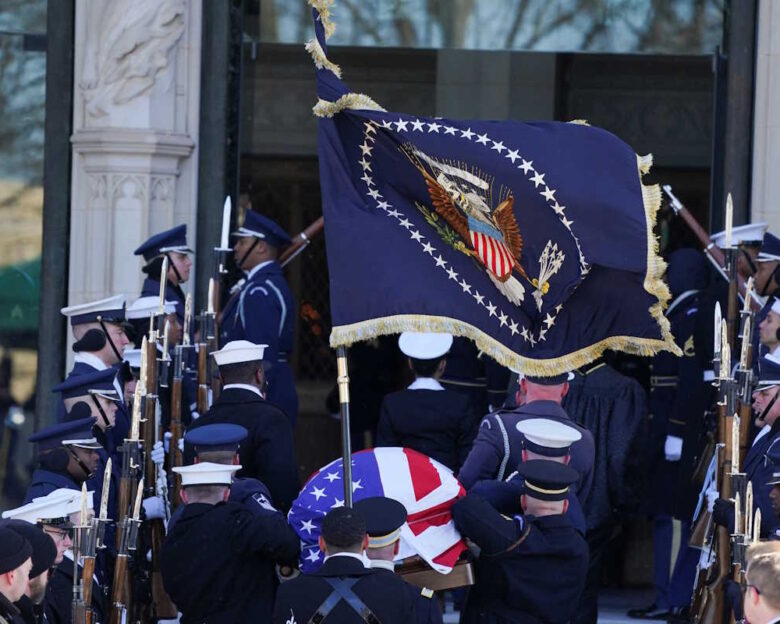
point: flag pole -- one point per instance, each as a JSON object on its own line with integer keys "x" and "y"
{"x": 346, "y": 442}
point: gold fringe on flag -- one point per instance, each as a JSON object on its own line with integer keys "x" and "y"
{"x": 354, "y": 101}
{"x": 321, "y": 61}
{"x": 323, "y": 8}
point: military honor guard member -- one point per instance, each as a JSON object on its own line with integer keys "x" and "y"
{"x": 67, "y": 457}
{"x": 425, "y": 416}
{"x": 15, "y": 566}
{"x": 59, "y": 598}
{"x": 384, "y": 518}
{"x": 51, "y": 514}
{"x": 498, "y": 448}
{"x": 268, "y": 453}
{"x": 44, "y": 552}
{"x": 757, "y": 468}
{"x": 262, "y": 309}
{"x": 769, "y": 328}
{"x": 344, "y": 590}
{"x": 218, "y": 560}
{"x": 677, "y": 402}
{"x": 219, "y": 444}
{"x": 531, "y": 567}
{"x": 542, "y": 438}
{"x": 173, "y": 245}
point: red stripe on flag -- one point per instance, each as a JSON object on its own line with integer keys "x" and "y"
{"x": 425, "y": 477}
{"x": 450, "y": 556}
{"x": 435, "y": 516}
{"x": 492, "y": 255}
{"x": 502, "y": 256}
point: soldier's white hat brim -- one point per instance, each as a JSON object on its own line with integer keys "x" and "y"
{"x": 73, "y": 501}
{"x": 144, "y": 307}
{"x": 243, "y": 232}
{"x": 548, "y": 433}
{"x": 424, "y": 345}
{"x": 111, "y": 395}
{"x": 85, "y": 443}
{"x": 750, "y": 232}
{"x": 49, "y": 507}
{"x": 763, "y": 257}
{"x": 109, "y": 303}
{"x": 239, "y": 351}
{"x": 774, "y": 479}
{"x": 176, "y": 248}
{"x": 132, "y": 357}
{"x": 207, "y": 473}
{"x": 775, "y": 305}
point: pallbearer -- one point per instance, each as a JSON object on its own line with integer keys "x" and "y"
{"x": 531, "y": 566}
{"x": 268, "y": 453}
{"x": 218, "y": 559}
{"x": 262, "y": 309}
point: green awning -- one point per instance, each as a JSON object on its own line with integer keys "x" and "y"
{"x": 20, "y": 286}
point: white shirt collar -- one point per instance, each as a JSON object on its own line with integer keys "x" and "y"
{"x": 255, "y": 269}
{"x": 360, "y": 557}
{"x": 382, "y": 563}
{"x": 88, "y": 358}
{"x": 776, "y": 351}
{"x": 245, "y": 387}
{"x": 425, "y": 383}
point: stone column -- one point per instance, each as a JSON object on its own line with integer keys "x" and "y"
{"x": 766, "y": 118}
{"x": 135, "y": 135}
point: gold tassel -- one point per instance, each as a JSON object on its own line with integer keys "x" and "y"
{"x": 321, "y": 61}
{"x": 352, "y": 101}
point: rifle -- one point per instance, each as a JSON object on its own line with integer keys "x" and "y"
{"x": 163, "y": 606}
{"x": 207, "y": 344}
{"x": 300, "y": 242}
{"x": 175, "y": 458}
{"x": 84, "y": 544}
{"x": 128, "y": 540}
{"x": 714, "y": 254}
{"x": 128, "y": 481}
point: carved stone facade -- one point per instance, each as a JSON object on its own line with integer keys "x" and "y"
{"x": 136, "y": 115}
{"x": 765, "y": 202}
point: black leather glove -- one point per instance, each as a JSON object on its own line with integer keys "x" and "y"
{"x": 723, "y": 513}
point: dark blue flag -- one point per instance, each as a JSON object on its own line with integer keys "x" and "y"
{"x": 535, "y": 240}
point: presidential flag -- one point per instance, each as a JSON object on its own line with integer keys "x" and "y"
{"x": 535, "y": 240}
{"x": 424, "y": 486}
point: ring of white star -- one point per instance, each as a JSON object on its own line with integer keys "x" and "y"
{"x": 526, "y": 166}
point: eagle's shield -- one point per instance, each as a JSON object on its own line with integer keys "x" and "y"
{"x": 491, "y": 249}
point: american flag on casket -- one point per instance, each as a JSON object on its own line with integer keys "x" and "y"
{"x": 425, "y": 487}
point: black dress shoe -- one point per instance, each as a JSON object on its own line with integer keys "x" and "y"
{"x": 653, "y": 612}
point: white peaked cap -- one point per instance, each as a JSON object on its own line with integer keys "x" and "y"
{"x": 548, "y": 433}
{"x": 239, "y": 351}
{"x": 73, "y": 503}
{"x": 207, "y": 473}
{"x": 144, "y": 307}
{"x": 110, "y": 303}
{"x": 133, "y": 357}
{"x": 742, "y": 234}
{"x": 53, "y": 505}
{"x": 775, "y": 305}
{"x": 424, "y": 345}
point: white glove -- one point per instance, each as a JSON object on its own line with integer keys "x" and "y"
{"x": 195, "y": 415}
{"x": 673, "y": 448}
{"x": 712, "y": 495}
{"x": 181, "y": 445}
{"x": 167, "y": 441}
{"x": 154, "y": 507}
{"x": 158, "y": 454}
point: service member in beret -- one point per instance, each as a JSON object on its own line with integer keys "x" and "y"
{"x": 15, "y": 566}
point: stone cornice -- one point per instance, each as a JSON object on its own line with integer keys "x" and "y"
{"x": 131, "y": 141}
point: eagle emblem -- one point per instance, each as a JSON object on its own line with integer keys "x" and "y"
{"x": 462, "y": 199}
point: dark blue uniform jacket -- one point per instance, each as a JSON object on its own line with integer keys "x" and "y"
{"x": 218, "y": 562}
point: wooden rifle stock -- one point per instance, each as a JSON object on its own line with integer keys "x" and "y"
{"x": 300, "y": 241}
{"x": 119, "y": 593}
{"x": 174, "y": 456}
{"x": 203, "y": 381}
{"x": 163, "y": 605}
